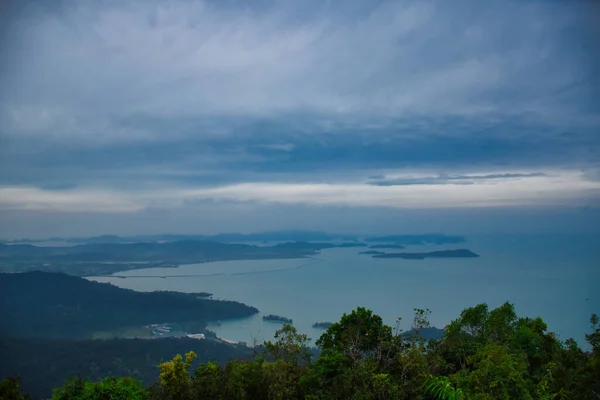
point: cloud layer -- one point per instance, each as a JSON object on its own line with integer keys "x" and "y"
{"x": 492, "y": 190}
{"x": 123, "y": 106}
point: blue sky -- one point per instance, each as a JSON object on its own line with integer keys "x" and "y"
{"x": 141, "y": 116}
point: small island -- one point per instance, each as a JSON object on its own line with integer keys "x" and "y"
{"x": 322, "y": 325}
{"x": 277, "y": 318}
{"x": 387, "y": 246}
{"x": 372, "y": 252}
{"x": 460, "y": 253}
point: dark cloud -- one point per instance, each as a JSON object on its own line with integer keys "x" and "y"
{"x": 270, "y": 152}
{"x": 128, "y": 98}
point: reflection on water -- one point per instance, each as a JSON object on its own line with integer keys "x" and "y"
{"x": 551, "y": 277}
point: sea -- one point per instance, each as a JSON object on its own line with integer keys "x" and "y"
{"x": 555, "y": 277}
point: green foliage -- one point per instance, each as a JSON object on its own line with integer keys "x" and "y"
{"x": 290, "y": 346}
{"x": 109, "y": 388}
{"x": 594, "y": 337}
{"x": 208, "y": 381}
{"x": 420, "y": 319}
{"x": 175, "y": 380}
{"x": 494, "y": 373}
{"x": 441, "y": 388}
{"x": 281, "y": 380}
{"x": 484, "y": 355}
{"x": 243, "y": 379}
{"x": 50, "y": 305}
{"x": 10, "y": 389}
{"x": 358, "y": 334}
{"x": 49, "y": 363}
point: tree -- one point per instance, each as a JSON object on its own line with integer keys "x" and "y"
{"x": 594, "y": 338}
{"x": 10, "y": 389}
{"x": 292, "y": 359}
{"x": 124, "y": 388}
{"x": 484, "y": 355}
{"x": 244, "y": 379}
{"x": 493, "y": 373}
{"x": 290, "y": 346}
{"x": 357, "y": 335}
{"x": 282, "y": 380}
{"x": 74, "y": 388}
{"x": 208, "y": 381}
{"x": 174, "y": 379}
{"x": 420, "y": 320}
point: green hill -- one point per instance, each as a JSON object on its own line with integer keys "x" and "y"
{"x": 42, "y": 304}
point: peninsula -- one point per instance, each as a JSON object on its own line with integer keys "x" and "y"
{"x": 98, "y": 259}
{"x": 55, "y": 305}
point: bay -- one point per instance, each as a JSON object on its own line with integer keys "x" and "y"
{"x": 552, "y": 276}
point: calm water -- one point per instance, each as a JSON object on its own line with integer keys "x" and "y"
{"x": 548, "y": 276}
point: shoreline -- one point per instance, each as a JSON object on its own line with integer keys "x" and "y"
{"x": 312, "y": 261}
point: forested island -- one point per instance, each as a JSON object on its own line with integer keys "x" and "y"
{"x": 322, "y": 325}
{"x": 460, "y": 253}
{"x": 371, "y": 252}
{"x": 55, "y": 305}
{"x": 277, "y": 318}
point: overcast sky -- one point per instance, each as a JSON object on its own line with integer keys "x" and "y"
{"x": 353, "y": 116}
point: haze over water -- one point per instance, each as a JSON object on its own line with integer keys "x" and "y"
{"x": 553, "y": 277}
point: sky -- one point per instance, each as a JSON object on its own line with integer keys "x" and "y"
{"x": 129, "y": 117}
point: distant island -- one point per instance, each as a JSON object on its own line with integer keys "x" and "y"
{"x": 428, "y": 238}
{"x": 107, "y": 254}
{"x": 371, "y": 252}
{"x": 100, "y": 259}
{"x": 387, "y": 246}
{"x": 460, "y": 253}
{"x": 264, "y": 237}
{"x": 322, "y": 325}
{"x": 259, "y": 237}
{"x": 277, "y": 318}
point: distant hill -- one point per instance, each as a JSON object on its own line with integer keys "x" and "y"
{"x": 105, "y": 255}
{"x": 386, "y": 246}
{"x": 42, "y": 304}
{"x": 428, "y": 238}
{"x": 272, "y": 236}
{"x": 459, "y": 253}
{"x": 106, "y": 258}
